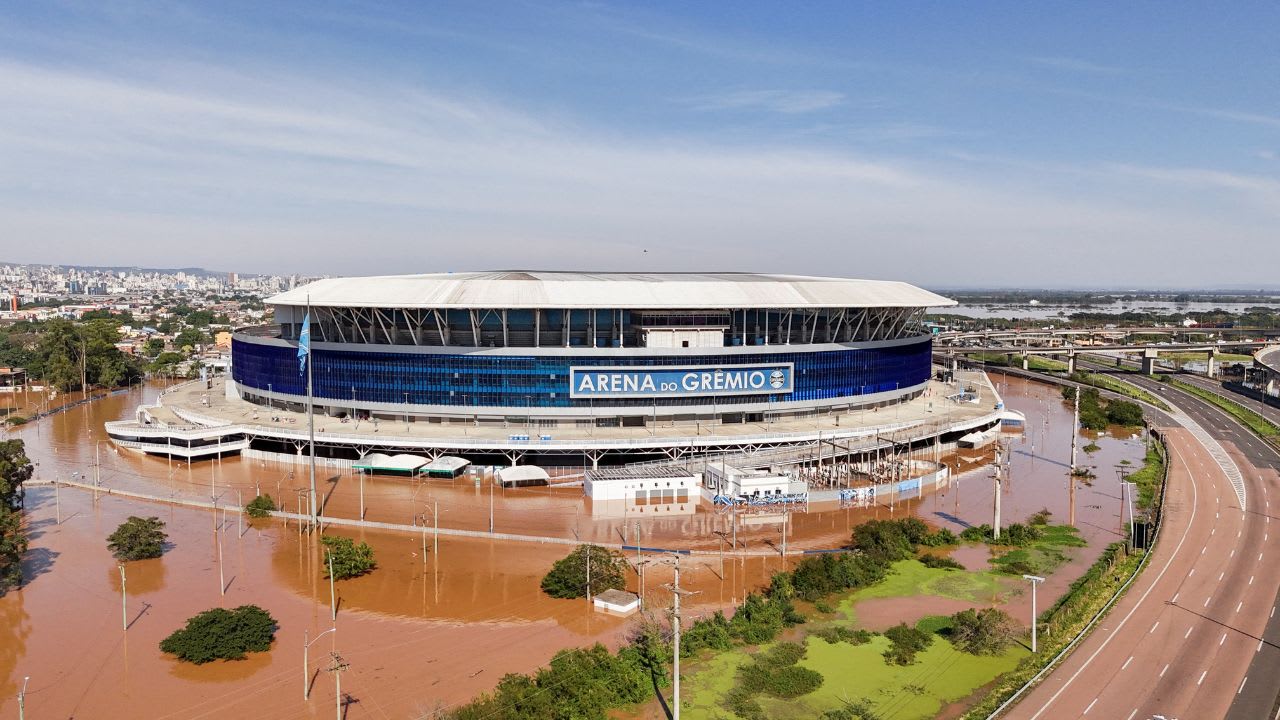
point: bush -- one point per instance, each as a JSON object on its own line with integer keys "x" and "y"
{"x": 939, "y": 561}
{"x": 221, "y": 634}
{"x": 823, "y": 607}
{"x": 774, "y": 672}
{"x": 709, "y": 632}
{"x": 1092, "y": 447}
{"x": 940, "y": 538}
{"x": 138, "y": 539}
{"x": 838, "y": 634}
{"x": 1040, "y": 518}
{"x": 349, "y": 560}
{"x": 860, "y": 709}
{"x": 568, "y": 576}
{"x": 817, "y": 576}
{"x": 1123, "y": 412}
{"x": 982, "y": 632}
{"x": 15, "y": 420}
{"x": 260, "y": 507}
{"x": 885, "y": 540}
{"x": 906, "y": 642}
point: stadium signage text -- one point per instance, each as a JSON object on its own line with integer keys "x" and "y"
{"x": 632, "y": 382}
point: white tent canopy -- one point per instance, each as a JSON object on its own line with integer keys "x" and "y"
{"x": 394, "y": 463}
{"x": 524, "y": 475}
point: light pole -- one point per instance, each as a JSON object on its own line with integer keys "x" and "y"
{"x": 124, "y": 612}
{"x": 333, "y": 602}
{"x": 22, "y": 698}
{"x": 1034, "y": 582}
{"x": 306, "y": 672}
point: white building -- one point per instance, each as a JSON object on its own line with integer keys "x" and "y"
{"x": 729, "y": 481}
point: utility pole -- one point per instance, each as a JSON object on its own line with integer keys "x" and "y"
{"x": 1034, "y": 582}
{"x": 222, "y": 584}
{"x": 1071, "y": 480}
{"x": 333, "y": 601}
{"x": 588, "y": 574}
{"x": 491, "y": 508}
{"x": 124, "y": 608}
{"x": 676, "y": 592}
{"x": 999, "y": 478}
{"x": 336, "y": 666}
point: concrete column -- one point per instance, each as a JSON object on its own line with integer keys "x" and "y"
{"x": 1149, "y": 361}
{"x": 1071, "y": 362}
{"x": 1025, "y": 364}
{"x": 1211, "y": 368}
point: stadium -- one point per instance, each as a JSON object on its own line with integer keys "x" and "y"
{"x": 573, "y": 369}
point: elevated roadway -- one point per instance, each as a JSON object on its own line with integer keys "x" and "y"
{"x": 1194, "y": 637}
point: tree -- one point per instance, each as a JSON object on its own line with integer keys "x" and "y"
{"x": 15, "y": 469}
{"x": 138, "y": 539}
{"x": 906, "y": 642}
{"x": 154, "y": 347}
{"x": 883, "y": 539}
{"x": 221, "y": 634}
{"x": 189, "y": 338}
{"x": 349, "y": 560}
{"x": 1123, "y": 412}
{"x": 260, "y": 507}
{"x": 568, "y": 577}
{"x": 982, "y": 632}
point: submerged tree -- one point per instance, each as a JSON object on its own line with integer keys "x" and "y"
{"x": 15, "y": 469}
{"x": 138, "y": 539}
{"x": 568, "y": 578}
{"x": 221, "y": 634}
{"x": 349, "y": 560}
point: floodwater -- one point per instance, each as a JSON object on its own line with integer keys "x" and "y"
{"x": 421, "y": 631}
{"x": 1046, "y": 312}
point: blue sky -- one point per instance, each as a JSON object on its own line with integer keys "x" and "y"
{"x": 948, "y": 144}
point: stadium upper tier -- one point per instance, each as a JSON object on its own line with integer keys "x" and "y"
{"x": 603, "y": 310}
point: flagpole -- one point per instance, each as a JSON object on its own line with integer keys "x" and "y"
{"x": 311, "y": 419}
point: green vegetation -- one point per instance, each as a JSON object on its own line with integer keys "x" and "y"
{"x": 1092, "y": 447}
{"x": 1039, "y": 363}
{"x": 1097, "y": 415}
{"x": 904, "y": 642}
{"x": 839, "y": 633}
{"x": 260, "y": 507}
{"x": 1040, "y": 555}
{"x": 1181, "y": 358}
{"x": 15, "y": 469}
{"x": 580, "y": 683}
{"x": 1255, "y": 422}
{"x": 1150, "y": 476}
{"x": 1106, "y": 382}
{"x": 221, "y": 634}
{"x": 939, "y": 561}
{"x": 985, "y": 631}
{"x": 138, "y": 539}
{"x": 602, "y": 568}
{"x": 349, "y": 560}
{"x": 771, "y": 672}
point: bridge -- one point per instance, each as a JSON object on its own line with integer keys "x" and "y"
{"x": 1109, "y": 333}
{"x": 1150, "y": 351}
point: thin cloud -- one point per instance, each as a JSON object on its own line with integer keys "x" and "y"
{"x": 1077, "y": 65}
{"x": 787, "y": 102}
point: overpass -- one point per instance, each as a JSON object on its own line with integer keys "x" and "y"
{"x": 1187, "y": 333}
{"x": 1150, "y": 352}
{"x": 1266, "y": 365}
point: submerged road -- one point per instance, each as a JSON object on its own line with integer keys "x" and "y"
{"x": 1196, "y": 629}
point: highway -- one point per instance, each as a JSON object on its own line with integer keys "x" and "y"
{"x": 1195, "y": 636}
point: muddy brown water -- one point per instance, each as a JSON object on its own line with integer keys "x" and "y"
{"x": 416, "y": 634}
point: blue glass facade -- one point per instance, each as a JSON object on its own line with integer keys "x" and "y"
{"x": 523, "y": 381}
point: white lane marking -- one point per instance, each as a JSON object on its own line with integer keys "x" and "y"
{"x": 1213, "y": 531}
{"x": 1233, "y": 553}
{"x": 1259, "y": 647}
{"x": 1273, "y": 611}
{"x": 1224, "y": 639}
{"x": 1135, "y": 712}
{"x": 1250, "y": 579}
{"x": 1221, "y": 574}
{"x": 1126, "y": 663}
{"x": 1239, "y": 605}
{"x": 1174, "y": 601}
{"x": 1153, "y": 627}
{"x": 1184, "y": 637}
{"x": 1181, "y": 541}
{"x": 1242, "y": 682}
{"x": 1206, "y": 600}
{"x": 1086, "y": 710}
{"x": 1191, "y": 572}
{"x": 1206, "y": 672}
{"x": 1162, "y": 672}
{"x": 1204, "y": 548}
{"x": 1216, "y": 515}
{"x": 1259, "y": 557}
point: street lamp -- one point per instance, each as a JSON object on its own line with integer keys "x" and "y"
{"x": 306, "y": 671}
{"x": 1034, "y": 582}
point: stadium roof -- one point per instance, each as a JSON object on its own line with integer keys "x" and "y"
{"x": 666, "y": 291}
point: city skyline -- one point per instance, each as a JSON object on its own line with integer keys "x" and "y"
{"x": 1074, "y": 147}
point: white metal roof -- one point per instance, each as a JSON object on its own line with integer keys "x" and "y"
{"x": 381, "y": 461}
{"x": 522, "y": 473}
{"x": 541, "y": 289}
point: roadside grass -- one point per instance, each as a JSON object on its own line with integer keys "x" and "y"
{"x": 1255, "y": 422}
{"x": 1149, "y": 477}
{"x": 1179, "y": 358}
{"x": 1038, "y": 363}
{"x": 1106, "y": 382}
